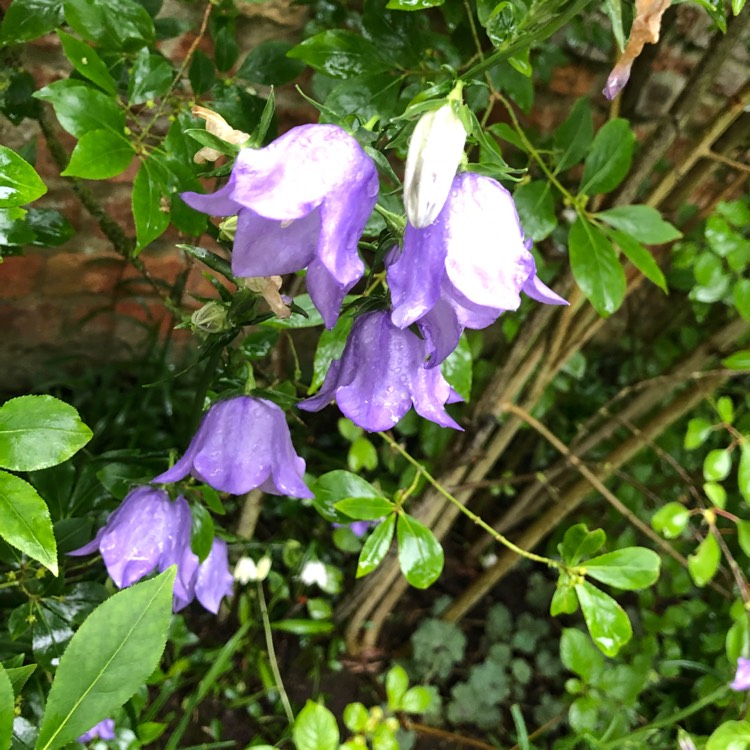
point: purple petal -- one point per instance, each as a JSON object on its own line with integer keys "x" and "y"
{"x": 742, "y": 676}
{"x": 537, "y": 290}
{"x": 441, "y": 331}
{"x": 214, "y": 580}
{"x": 104, "y": 730}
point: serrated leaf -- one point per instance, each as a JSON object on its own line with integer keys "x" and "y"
{"x": 87, "y": 62}
{"x": 315, "y": 728}
{"x": 642, "y": 223}
{"x": 420, "y": 554}
{"x": 376, "y": 546}
{"x": 29, "y": 19}
{"x": 109, "y": 658}
{"x": 608, "y": 160}
{"x": 19, "y": 182}
{"x": 606, "y": 620}
{"x": 39, "y": 431}
{"x": 670, "y": 520}
{"x": 703, "y": 564}
{"x": 365, "y": 508}
{"x": 631, "y": 568}
{"x": 595, "y": 266}
{"x": 98, "y": 155}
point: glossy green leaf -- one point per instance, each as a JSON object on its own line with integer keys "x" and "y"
{"x": 365, "y": 508}
{"x": 583, "y": 714}
{"x": 396, "y": 685}
{"x": 716, "y": 494}
{"x": 420, "y": 554}
{"x": 312, "y": 319}
{"x": 574, "y": 136}
{"x": 712, "y": 279}
{"x": 670, "y": 520}
{"x": 631, "y": 568}
{"x": 731, "y": 735}
{"x": 334, "y": 486}
{"x": 87, "y": 62}
{"x": 416, "y": 700}
{"x": 743, "y": 471}
{"x": 340, "y": 54}
{"x": 18, "y": 677}
{"x": 356, "y": 716}
{"x": 29, "y": 19}
{"x": 110, "y": 657}
{"x": 743, "y": 536}
{"x": 376, "y": 546}
{"x": 738, "y": 360}
{"x": 116, "y": 24}
{"x": 564, "y": 600}
{"x": 7, "y": 709}
{"x": 362, "y": 455}
{"x": 202, "y": 532}
{"x": 19, "y": 182}
{"x": 607, "y": 622}
{"x": 50, "y": 227}
{"x": 579, "y": 655}
{"x": 642, "y": 223}
{"x": 608, "y": 160}
{"x": 741, "y": 297}
{"x": 150, "y": 202}
{"x": 697, "y": 432}
{"x": 201, "y": 74}
{"x": 536, "y": 209}
{"x": 717, "y": 465}
{"x": 413, "y": 4}
{"x": 703, "y": 564}
{"x": 39, "y": 431}
{"x": 25, "y": 521}
{"x": 269, "y": 65}
{"x": 80, "y": 108}
{"x": 457, "y": 369}
{"x": 613, "y": 9}
{"x": 315, "y": 728}
{"x": 595, "y": 267}
{"x": 640, "y": 257}
{"x": 99, "y": 154}
{"x": 579, "y": 543}
{"x": 330, "y": 347}
{"x": 150, "y": 77}
{"x": 303, "y": 627}
{"x": 725, "y": 409}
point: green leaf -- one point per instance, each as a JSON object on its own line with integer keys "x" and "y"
{"x": 607, "y": 622}
{"x": 311, "y": 320}
{"x": 743, "y": 536}
{"x": 87, "y": 62}
{"x": 396, "y": 685}
{"x": 269, "y": 65}
{"x": 150, "y": 200}
{"x": 536, "y": 209}
{"x": 315, "y": 728}
{"x": 712, "y": 279}
{"x": 110, "y": 657}
{"x": 609, "y": 159}
{"x": 25, "y": 521}
{"x": 376, "y": 546}
{"x": 201, "y": 74}
{"x": 413, "y": 4}
{"x": 420, "y": 555}
{"x": 578, "y": 654}
{"x": 416, "y": 700}
{"x": 697, "y": 432}
{"x": 564, "y": 600}
{"x": 743, "y": 471}
{"x": 741, "y": 297}
{"x": 29, "y": 19}
{"x": 340, "y": 54}
{"x": 595, "y": 267}
{"x": 39, "y": 431}
{"x": 365, "y": 508}
{"x": 631, "y": 568}
{"x": 50, "y": 227}
{"x": 640, "y": 257}
{"x": 302, "y": 627}
{"x": 330, "y": 347}
{"x": 737, "y": 6}
{"x": 19, "y": 182}
{"x": 116, "y": 24}
{"x": 717, "y": 465}
{"x": 643, "y": 223}
{"x": 202, "y": 533}
{"x": 716, "y": 494}
{"x": 573, "y": 137}
{"x": 81, "y": 108}
{"x": 731, "y": 735}
{"x": 150, "y": 77}
{"x": 738, "y": 360}
{"x": 338, "y": 485}
{"x": 583, "y": 714}
{"x": 579, "y": 543}
{"x": 725, "y": 409}
{"x": 670, "y": 520}
{"x": 457, "y": 368}
{"x": 703, "y": 564}
{"x": 613, "y": 8}
{"x": 99, "y": 154}
{"x": 7, "y": 709}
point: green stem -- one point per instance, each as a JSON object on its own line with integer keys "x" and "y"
{"x": 496, "y": 535}
{"x": 272, "y": 655}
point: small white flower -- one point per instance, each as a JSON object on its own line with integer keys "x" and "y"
{"x": 247, "y": 570}
{"x": 435, "y": 151}
{"x": 314, "y": 571}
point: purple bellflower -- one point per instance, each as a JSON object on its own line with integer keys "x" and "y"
{"x": 214, "y": 580}
{"x": 104, "y": 730}
{"x": 243, "y": 443}
{"x": 742, "y": 676}
{"x": 380, "y": 375}
{"x": 466, "y": 268}
{"x": 302, "y": 202}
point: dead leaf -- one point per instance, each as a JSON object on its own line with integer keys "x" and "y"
{"x": 218, "y": 126}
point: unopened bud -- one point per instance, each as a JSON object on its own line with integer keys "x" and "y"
{"x": 211, "y": 318}
{"x": 435, "y": 151}
{"x": 228, "y": 228}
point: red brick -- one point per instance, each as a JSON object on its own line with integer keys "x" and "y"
{"x": 19, "y": 275}
{"x": 69, "y": 274}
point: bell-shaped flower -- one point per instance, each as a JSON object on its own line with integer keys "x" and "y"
{"x": 435, "y": 151}
{"x": 214, "y": 581}
{"x": 302, "y": 202}
{"x": 380, "y": 375}
{"x": 742, "y": 676}
{"x": 243, "y": 443}
{"x": 104, "y": 730}
{"x": 141, "y": 535}
{"x": 466, "y": 268}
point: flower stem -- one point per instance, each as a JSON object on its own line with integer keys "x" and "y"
{"x": 496, "y": 535}
{"x": 272, "y": 655}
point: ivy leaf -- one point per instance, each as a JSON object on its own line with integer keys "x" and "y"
{"x": 376, "y": 546}
{"x": 595, "y": 267}
{"x": 99, "y": 154}
{"x": 631, "y": 568}
{"x": 420, "y": 555}
{"x": 703, "y": 564}
{"x": 87, "y": 62}
{"x": 609, "y": 158}
{"x": 19, "y": 182}
{"x": 607, "y": 622}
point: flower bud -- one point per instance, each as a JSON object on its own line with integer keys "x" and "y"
{"x": 247, "y": 569}
{"x": 435, "y": 151}
{"x": 211, "y": 318}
